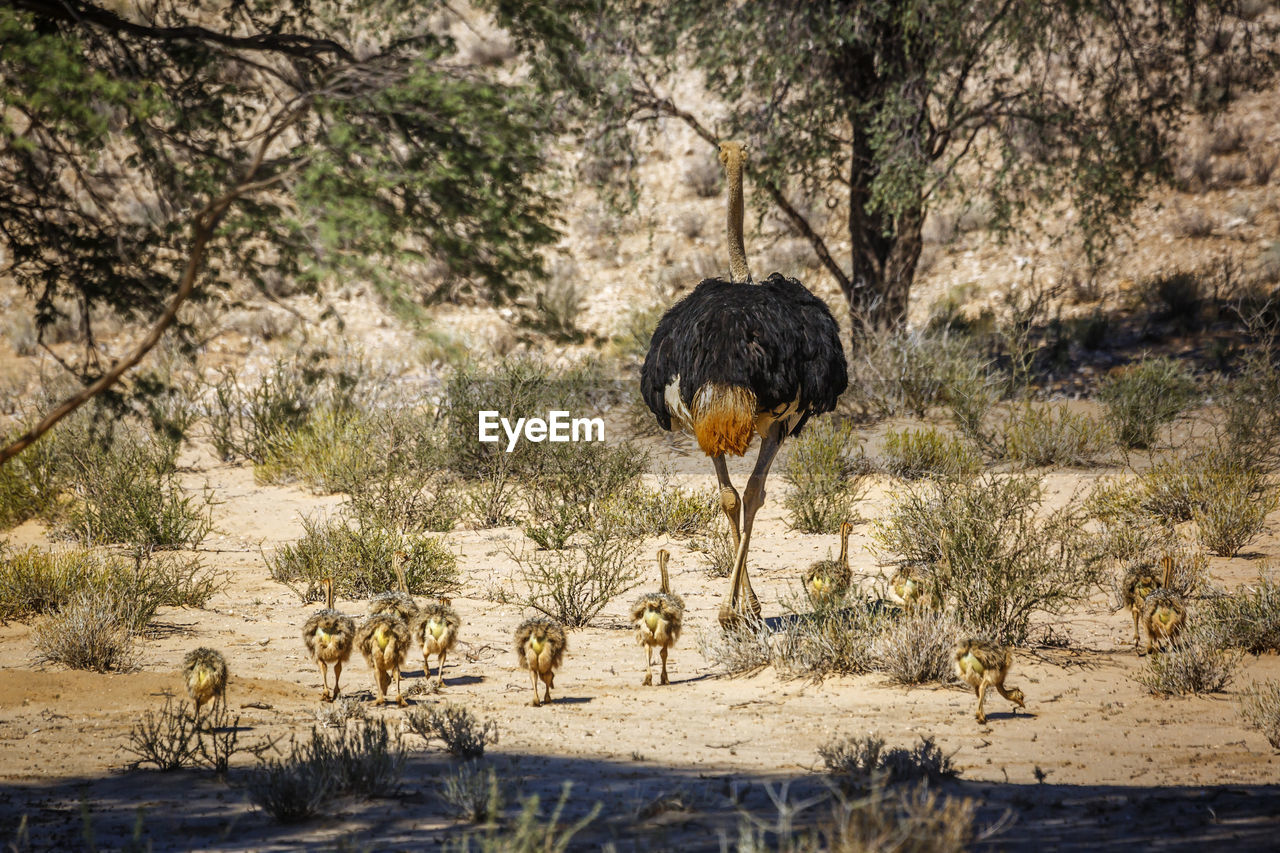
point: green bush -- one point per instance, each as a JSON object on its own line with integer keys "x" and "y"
{"x": 1141, "y": 399}
{"x": 1260, "y": 708}
{"x": 1194, "y": 665}
{"x": 1249, "y": 618}
{"x": 361, "y": 561}
{"x": 993, "y": 555}
{"x": 910, "y": 372}
{"x": 573, "y": 585}
{"x": 30, "y": 484}
{"x": 1251, "y": 408}
{"x": 912, "y": 454}
{"x": 825, "y": 470}
{"x": 34, "y": 582}
{"x": 666, "y": 511}
{"x": 126, "y": 490}
{"x": 570, "y": 485}
{"x": 829, "y": 640}
{"x": 1037, "y": 436}
{"x": 716, "y": 548}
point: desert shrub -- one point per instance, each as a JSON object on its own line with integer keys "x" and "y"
{"x": 1260, "y": 708}
{"x": 571, "y": 485}
{"x": 1194, "y": 665}
{"x": 910, "y": 372}
{"x": 1247, "y": 619}
{"x": 744, "y": 648}
{"x": 166, "y": 739}
{"x": 126, "y": 489}
{"x": 915, "y": 453}
{"x": 517, "y": 388}
{"x": 174, "y": 737}
{"x": 528, "y": 832}
{"x": 910, "y": 820}
{"x": 361, "y": 561}
{"x": 34, "y": 582}
{"x": 665, "y": 511}
{"x": 474, "y": 792}
{"x": 1039, "y": 436}
{"x": 1214, "y": 485}
{"x": 462, "y": 733}
{"x": 1251, "y": 407}
{"x": 30, "y": 483}
{"x": 87, "y": 632}
{"x": 336, "y": 714}
{"x": 1144, "y": 397}
{"x": 825, "y": 471}
{"x": 573, "y": 585}
{"x": 716, "y": 548}
{"x": 364, "y": 761}
{"x": 916, "y": 649}
{"x": 1129, "y": 532}
{"x": 862, "y": 763}
{"x": 258, "y": 421}
{"x": 290, "y": 789}
{"x": 994, "y": 558}
{"x": 829, "y": 640}
{"x": 1231, "y": 519}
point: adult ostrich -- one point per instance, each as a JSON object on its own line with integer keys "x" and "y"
{"x": 734, "y": 358}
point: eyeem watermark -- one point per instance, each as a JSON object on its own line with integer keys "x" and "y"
{"x": 558, "y": 426}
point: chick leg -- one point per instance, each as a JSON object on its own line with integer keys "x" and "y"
{"x": 664, "y": 680}
{"x": 324, "y": 677}
{"x": 337, "y": 673}
{"x": 547, "y": 679}
{"x": 382, "y": 678}
{"x": 440, "y": 664}
{"x": 648, "y": 666}
{"x": 533, "y": 676}
{"x": 982, "y": 697}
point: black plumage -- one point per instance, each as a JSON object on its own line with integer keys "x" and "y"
{"x": 774, "y": 338}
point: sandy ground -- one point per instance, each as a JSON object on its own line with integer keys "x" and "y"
{"x": 1094, "y": 763}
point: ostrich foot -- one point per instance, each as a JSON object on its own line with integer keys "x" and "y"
{"x": 648, "y": 681}
{"x": 326, "y": 696}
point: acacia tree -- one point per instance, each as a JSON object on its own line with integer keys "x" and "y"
{"x": 879, "y": 110}
{"x": 157, "y": 155}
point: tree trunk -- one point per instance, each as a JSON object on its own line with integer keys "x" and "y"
{"x": 884, "y": 251}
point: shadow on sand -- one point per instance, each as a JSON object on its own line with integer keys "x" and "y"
{"x": 644, "y": 806}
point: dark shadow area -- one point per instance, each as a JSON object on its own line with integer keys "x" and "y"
{"x": 644, "y": 806}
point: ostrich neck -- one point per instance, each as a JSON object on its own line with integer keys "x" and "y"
{"x": 738, "y": 269}
{"x": 844, "y": 547}
{"x": 666, "y": 583}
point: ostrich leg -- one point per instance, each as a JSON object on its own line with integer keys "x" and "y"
{"x": 729, "y": 501}
{"x": 742, "y": 599}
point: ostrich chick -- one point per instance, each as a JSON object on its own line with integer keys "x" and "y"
{"x": 1139, "y": 582}
{"x": 982, "y": 664}
{"x": 828, "y": 580}
{"x": 1163, "y": 613}
{"x": 658, "y": 617}
{"x": 329, "y": 637}
{"x": 435, "y": 628}
{"x": 396, "y": 602}
{"x": 205, "y": 672}
{"x": 384, "y": 642}
{"x": 908, "y": 587}
{"x": 540, "y": 646}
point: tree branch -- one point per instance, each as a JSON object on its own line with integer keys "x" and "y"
{"x": 74, "y": 11}
{"x": 203, "y": 226}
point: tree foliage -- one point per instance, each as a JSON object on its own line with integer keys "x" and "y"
{"x": 166, "y": 150}
{"x": 874, "y": 112}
